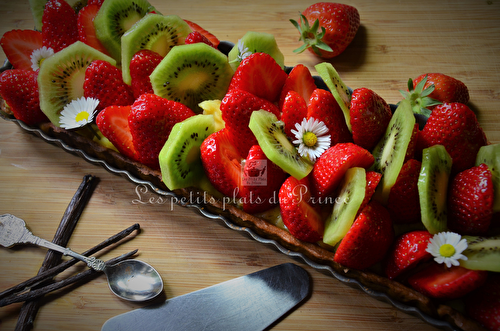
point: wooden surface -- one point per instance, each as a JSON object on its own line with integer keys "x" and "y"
{"x": 397, "y": 40}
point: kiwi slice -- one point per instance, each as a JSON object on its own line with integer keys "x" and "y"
{"x": 272, "y": 139}
{"x": 490, "y": 155}
{"x": 390, "y": 151}
{"x": 255, "y": 42}
{"x": 339, "y": 90}
{"x": 192, "y": 73}
{"x": 37, "y": 7}
{"x": 180, "y": 161}
{"x": 433, "y": 187}
{"x": 61, "y": 77}
{"x": 482, "y": 253}
{"x": 351, "y": 195}
{"x": 115, "y": 18}
{"x": 154, "y": 32}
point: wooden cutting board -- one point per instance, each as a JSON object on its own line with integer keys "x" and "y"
{"x": 397, "y": 40}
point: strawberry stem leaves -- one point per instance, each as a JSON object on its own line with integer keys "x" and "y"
{"x": 419, "y": 97}
{"x": 310, "y": 37}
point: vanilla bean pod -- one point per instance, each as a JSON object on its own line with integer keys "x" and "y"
{"x": 50, "y": 273}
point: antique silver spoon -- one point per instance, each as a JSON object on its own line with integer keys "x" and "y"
{"x": 131, "y": 280}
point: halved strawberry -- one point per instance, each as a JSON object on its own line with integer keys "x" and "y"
{"x": 372, "y": 180}
{"x": 483, "y": 304}
{"x": 302, "y": 220}
{"x": 60, "y": 28}
{"x": 260, "y": 75}
{"x": 141, "y": 66}
{"x": 18, "y": 45}
{"x": 368, "y": 239}
{"x": 293, "y": 111}
{"x": 86, "y": 29}
{"x": 196, "y": 37}
{"x": 408, "y": 250}
{"x": 113, "y": 124}
{"x": 411, "y": 150}
{"x": 334, "y": 162}
{"x": 195, "y": 27}
{"x": 438, "y": 281}
{"x": 299, "y": 80}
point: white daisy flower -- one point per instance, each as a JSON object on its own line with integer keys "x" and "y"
{"x": 39, "y": 55}
{"x": 447, "y": 248}
{"x": 243, "y": 51}
{"x": 78, "y": 113}
{"x": 312, "y": 138}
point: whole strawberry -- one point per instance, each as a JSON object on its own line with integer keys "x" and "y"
{"x": 455, "y": 126}
{"x": 470, "y": 201}
{"x": 327, "y": 28}
{"x": 60, "y": 27}
{"x": 103, "y": 81}
{"x": 369, "y": 115}
{"x": 141, "y": 66}
{"x": 19, "y": 89}
{"x": 293, "y": 111}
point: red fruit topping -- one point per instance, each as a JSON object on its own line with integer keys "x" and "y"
{"x": 141, "y": 66}
{"x": 60, "y": 28}
{"x": 195, "y": 27}
{"x": 299, "y": 80}
{"x": 18, "y": 45}
{"x": 446, "y": 88}
{"x": 293, "y": 111}
{"x": 86, "y": 29}
{"x": 196, "y": 37}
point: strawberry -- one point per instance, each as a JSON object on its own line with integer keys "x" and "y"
{"x": 369, "y": 117}
{"x": 195, "y": 27}
{"x": 196, "y": 37}
{"x": 141, "y": 66}
{"x": 95, "y": 2}
{"x": 18, "y": 45}
{"x": 404, "y": 202}
{"x": 368, "y": 239}
{"x": 293, "y": 111}
{"x": 299, "y": 80}
{"x": 86, "y": 29}
{"x": 302, "y": 219}
{"x": 483, "y": 304}
{"x": 237, "y": 107}
{"x": 60, "y": 27}
{"x": 331, "y": 166}
{"x": 470, "y": 201}
{"x": 454, "y": 126}
{"x": 151, "y": 119}
{"x": 338, "y": 24}
{"x": 260, "y": 75}
{"x": 104, "y": 82}
{"x": 438, "y": 281}
{"x": 372, "y": 180}
{"x": 322, "y": 106}
{"x": 408, "y": 250}
{"x": 19, "y": 89}
{"x": 411, "y": 150}
{"x": 112, "y": 121}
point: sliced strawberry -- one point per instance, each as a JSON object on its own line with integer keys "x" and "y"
{"x": 19, "y": 89}
{"x": 293, "y": 111}
{"x": 196, "y": 37}
{"x": 372, "y": 180}
{"x": 322, "y": 106}
{"x": 95, "y": 2}
{"x": 483, "y": 304}
{"x": 141, "y": 66}
{"x": 104, "y": 82}
{"x": 407, "y": 252}
{"x": 260, "y": 75}
{"x": 411, "y": 150}
{"x": 300, "y": 217}
{"x": 369, "y": 116}
{"x": 334, "y": 162}
{"x": 18, "y": 45}
{"x": 151, "y": 120}
{"x": 113, "y": 124}
{"x": 368, "y": 239}
{"x": 60, "y": 28}
{"x": 470, "y": 201}
{"x": 438, "y": 281}
{"x": 404, "y": 202}
{"x": 299, "y": 80}
{"x": 86, "y": 29}
{"x": 195, "y": 27}
{"x": 237, "y": 107}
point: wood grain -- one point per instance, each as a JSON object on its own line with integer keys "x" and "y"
{"x": 397, "y": 40}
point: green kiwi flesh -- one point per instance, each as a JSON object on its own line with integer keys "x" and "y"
{"x": 115, "y": 18}
{"x": 37, "y": 7}
{"x": 482, "y": 253}
{"x": 433, "y": 187}
{"x": 192, "y": 73}
{"x": 347, "y": 203}
{"x": 340, "y": 91}
{"x": 255, "y": 42}
{"x": 272, "y": 139}
{"x": 154, "y": 32}
{"x": 390, "y": 151}
{"x": 490, "y": 155}
{"x": 180, "y": 161}
{"x": 61, "y": 77}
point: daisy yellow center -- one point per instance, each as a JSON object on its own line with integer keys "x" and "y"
{"x": 82, "y": 116}
{"x": 447, "y": 250}
{"x": 309, "y": 139}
